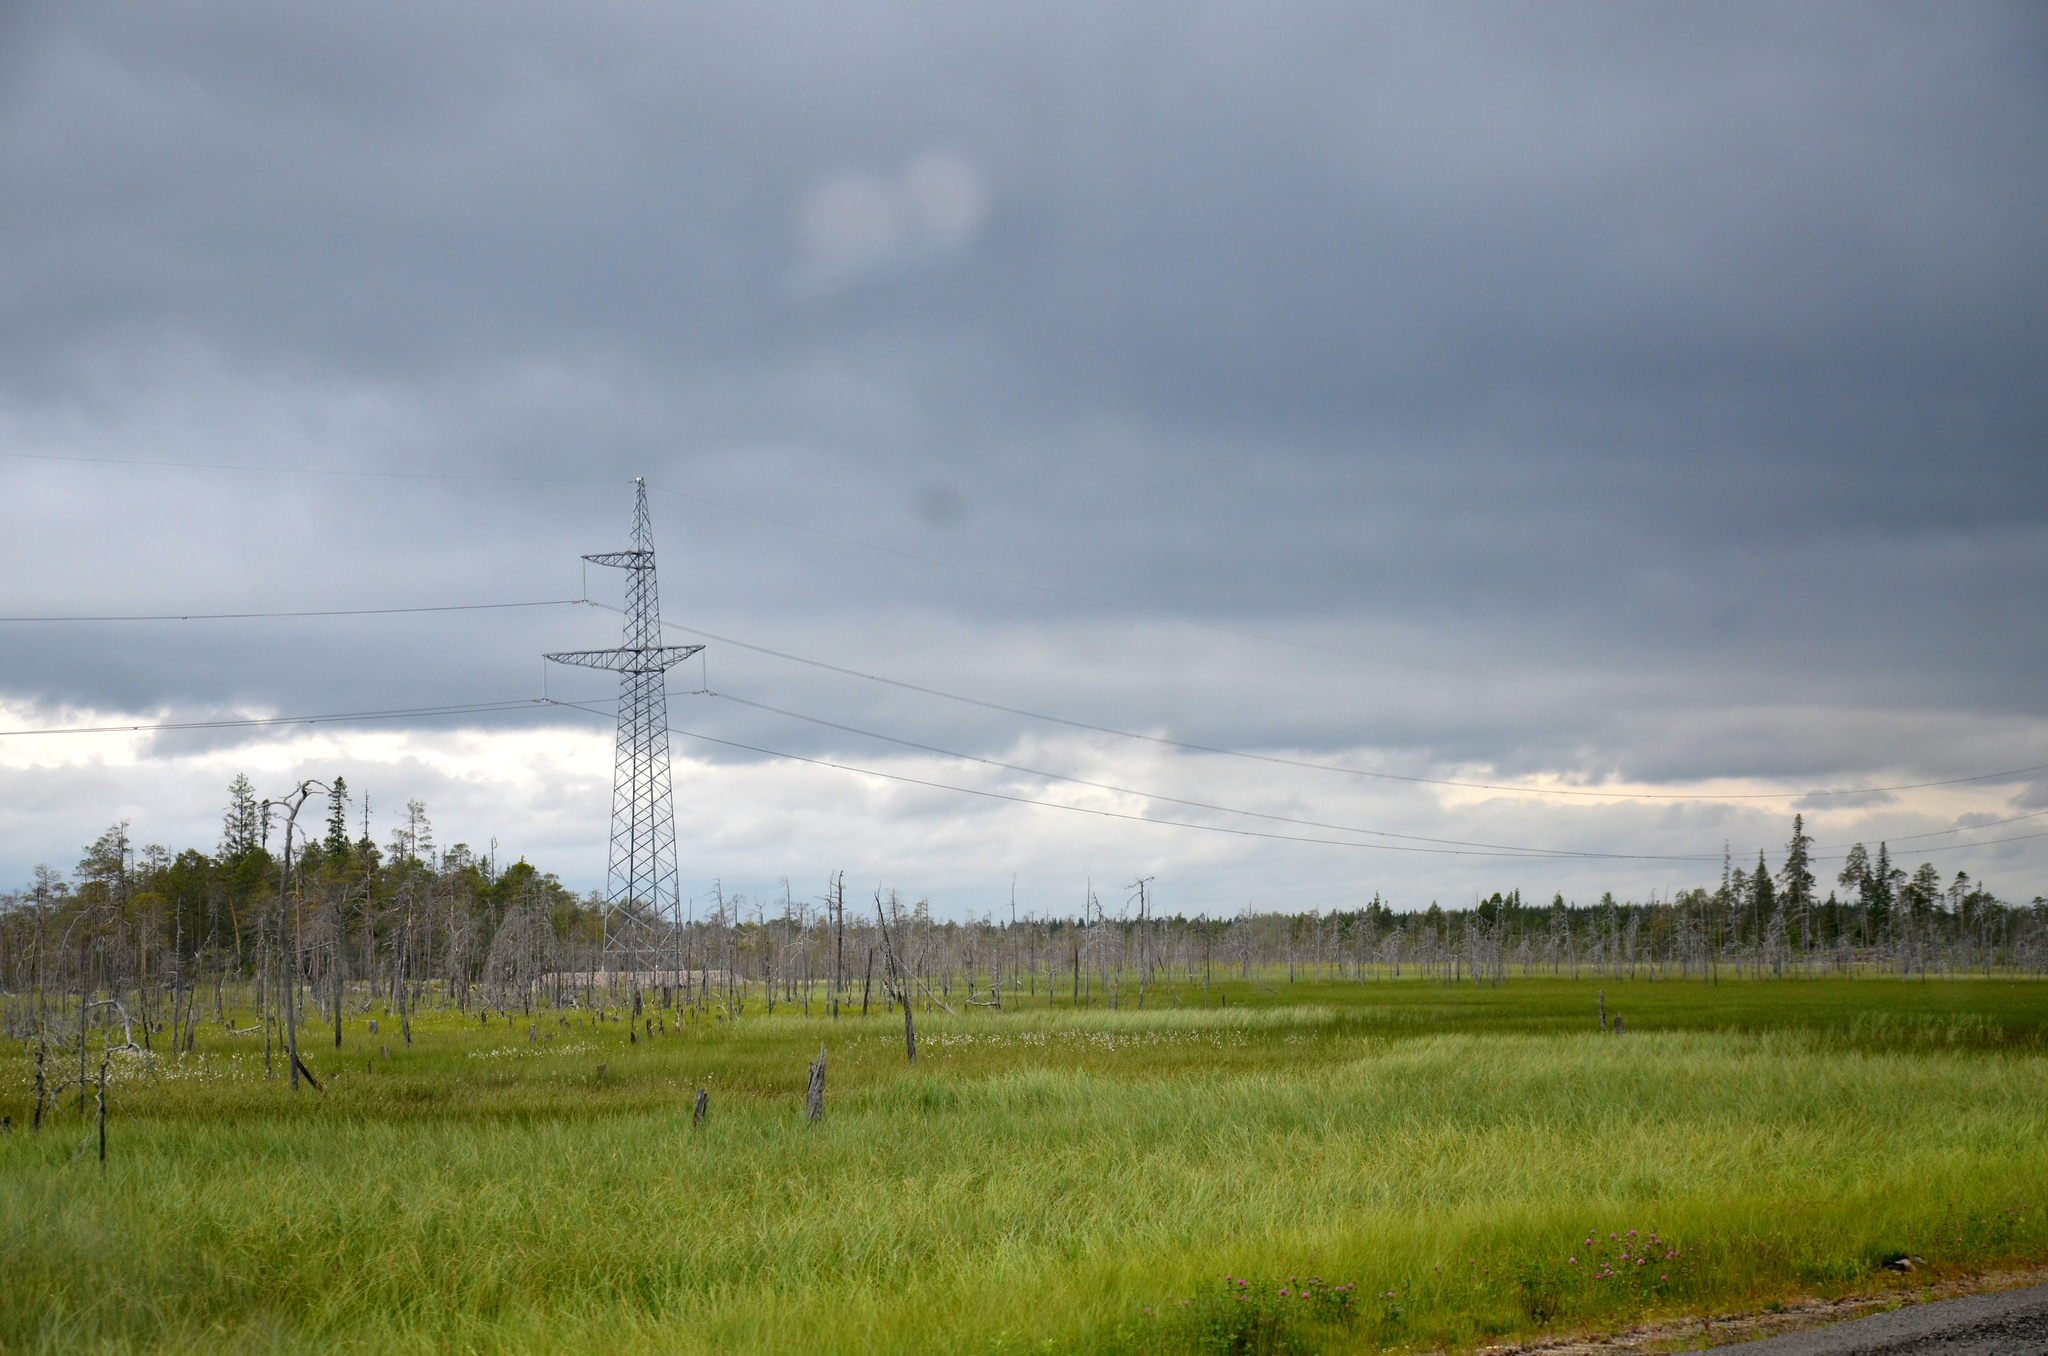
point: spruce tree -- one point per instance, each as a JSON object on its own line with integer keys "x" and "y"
{"x": 336, "y": 842}
{"x": 241, "y": 830}
{"x": 1878, "y": 893}
{"x": 1855, "y": 878}
{"x": 1763, "y": 899}
{"x": 1797, "y": 874}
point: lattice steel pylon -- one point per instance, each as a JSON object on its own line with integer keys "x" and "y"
{"x": 642, "y": 875}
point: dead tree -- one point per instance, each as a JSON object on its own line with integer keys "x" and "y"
{"x": 839, "y": 939}
{"x": 42, "y": 1082}
{"x": 893, "y": 979}
{"x": 106, "y": 1058}
{"x": 814, "y": 1094}
{"x": 292, "y": 803}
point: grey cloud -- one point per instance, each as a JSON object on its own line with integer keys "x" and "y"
{"x": 1686, "y": 352}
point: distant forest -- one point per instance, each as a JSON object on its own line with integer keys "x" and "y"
{"x": 409, "y": 922}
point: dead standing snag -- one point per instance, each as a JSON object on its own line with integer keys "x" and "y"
{"x": 814, "y": 1093}
{"x": 894, "y": 979}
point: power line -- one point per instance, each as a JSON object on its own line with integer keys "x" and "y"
{"x": 1035, "y": 715}
{"x": 531, "y": 703}
{"x": 1521, "y": 855}
{"x": 1173, "y": 618}
{"x": 1288, "y": 819}
{"x": 314, "y": 470}
{"x": 1532, "y": 855}
{"x": 322, "y": 612}
{"x": 1175, "y": 800}
{"x": 1989, "y": 842}
{"x": 1141, "y": 819}
{"x": 406, "y": 713}
{"x": 1038, "y": 715}
{"x": 1334, "y": 767}
{"x": 1011, "y": 710}
{"x": 1311, "y": 823}
{"x": 1966, "y": 828}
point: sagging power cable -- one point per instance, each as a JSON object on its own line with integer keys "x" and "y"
{"x": 404, "y": 713}
{"x": 1283, "y": 761}
{"x": 1258, "y": 814}
{"x": 318, "y": 612}
{"x": 1156, "y": 796}
{"x": 1476, "y": 850}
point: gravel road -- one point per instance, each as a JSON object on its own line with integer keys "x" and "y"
{"x": 2014, "y": 1323}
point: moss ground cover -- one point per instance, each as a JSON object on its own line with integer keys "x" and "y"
{"x": 1312, "y": 1167}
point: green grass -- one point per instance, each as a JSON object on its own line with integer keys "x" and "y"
{"x": 1041, "y": 1180}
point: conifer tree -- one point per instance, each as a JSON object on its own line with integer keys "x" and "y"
{"x": 1797, "y": 874}
{"x": 1855, "y": 878}
{"x": 336, "y": 843}
{"x": 1763, "y": 902}
{"x": 1880, "y": 890}
{"x": 241, "y": 829}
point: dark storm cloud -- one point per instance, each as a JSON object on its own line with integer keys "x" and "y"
{"x": 1342, "y": 215}
{"x": 1693, "y": 353}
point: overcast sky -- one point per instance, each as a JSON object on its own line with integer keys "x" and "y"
{"x": 1636, "y": 399}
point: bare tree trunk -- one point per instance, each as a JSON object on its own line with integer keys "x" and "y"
{"x": 814, "y": 1094}
{"x": 337, "y": 978}
{"x": 291, "y": 992}
{"x": 897, "y": 977}
{"x": 42, "y": 1083}
{"x": 105, "y": 1059}
{"x": 81, "y": 1037}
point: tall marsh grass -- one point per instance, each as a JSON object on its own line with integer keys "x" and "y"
{"x": 1040, "y": 1181}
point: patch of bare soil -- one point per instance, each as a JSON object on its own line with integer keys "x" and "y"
{"x": 1721, "y": 1330}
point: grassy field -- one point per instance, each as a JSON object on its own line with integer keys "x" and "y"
{"x": 1334, "y": 1167}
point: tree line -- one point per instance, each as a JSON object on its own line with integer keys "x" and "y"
{"x": 150, "y": 943}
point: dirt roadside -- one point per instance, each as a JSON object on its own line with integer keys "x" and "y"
{"x": 1721, "y": 1330}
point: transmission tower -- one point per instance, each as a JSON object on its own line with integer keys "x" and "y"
{"x": 642, "y": 875}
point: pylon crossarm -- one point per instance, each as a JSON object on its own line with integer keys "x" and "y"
{"x": 625, "y": 560}
{"x": 651, "y": 660}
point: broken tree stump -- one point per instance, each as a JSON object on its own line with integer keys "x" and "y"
{"x": 814, "y": 1095}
